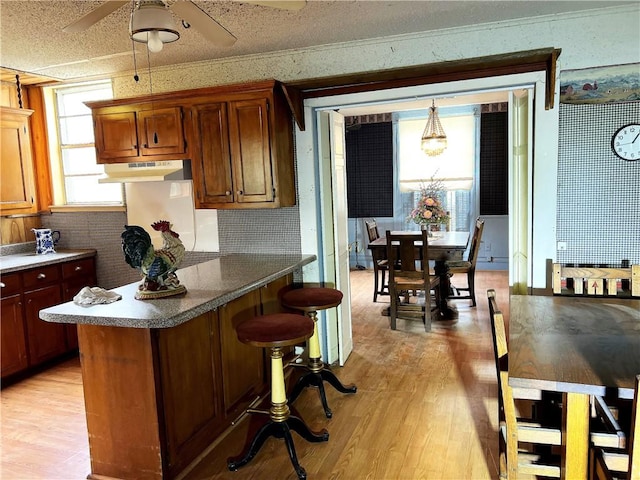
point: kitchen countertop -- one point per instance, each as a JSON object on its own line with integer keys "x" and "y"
{"x": 24, "y": 261}
{"x": 209, "y": 285}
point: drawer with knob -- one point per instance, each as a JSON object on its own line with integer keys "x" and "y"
{"x": 78, "y": 269}
{"x": 10, "y": 283}
{"x": 40, "y": 277}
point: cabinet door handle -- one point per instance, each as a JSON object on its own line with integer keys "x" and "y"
{"x": 240, "y": 192}
{"x": 41, "y": 276}
{"x": 134, "y": 147}
{"x": 227, "y": 192}
{"x": 2, "y": 285}
{"x": 78, "y": 268}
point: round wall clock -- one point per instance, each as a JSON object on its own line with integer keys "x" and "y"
{"x": 625, "y": 143}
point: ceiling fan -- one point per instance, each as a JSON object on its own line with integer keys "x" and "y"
{"x": 152, "y": 23}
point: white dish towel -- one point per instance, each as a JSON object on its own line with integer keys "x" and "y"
{"x": 95, "y": 296}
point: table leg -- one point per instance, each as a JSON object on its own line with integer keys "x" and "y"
{"x": 575, "y": 436}
{"x": 446, "y": 312}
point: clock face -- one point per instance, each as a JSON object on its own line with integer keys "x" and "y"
{"x": 625, "y": 143}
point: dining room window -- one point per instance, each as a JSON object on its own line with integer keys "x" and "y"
{"x": 455, "y": 168}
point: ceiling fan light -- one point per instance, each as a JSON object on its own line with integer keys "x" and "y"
{"x": 154, "y": 44}
{"x": 152, "y": 24}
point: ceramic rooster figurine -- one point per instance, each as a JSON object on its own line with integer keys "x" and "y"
{"x": 156, "y": 266}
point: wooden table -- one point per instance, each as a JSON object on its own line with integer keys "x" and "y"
{"x": 579, "y": 347}
{"x": 443, "y": 246}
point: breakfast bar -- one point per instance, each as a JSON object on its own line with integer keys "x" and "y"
{"x": 164, "y": 378}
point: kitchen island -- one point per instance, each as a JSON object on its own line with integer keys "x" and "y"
{"x": 164, "y": 378}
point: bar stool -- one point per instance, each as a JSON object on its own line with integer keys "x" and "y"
{"x": 310, "y": 300}
{"x": 275, "y": 331}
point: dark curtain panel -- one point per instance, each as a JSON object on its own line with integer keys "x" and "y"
{"x": 494, "y": 168}
{"x": 370, "y": 170}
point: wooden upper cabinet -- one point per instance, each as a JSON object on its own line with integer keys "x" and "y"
{"x": 251, "y": 150}
{"x": 161, "y": 131}
{"x": 139, "y": 135}
{"x": 244, "y": 147}
{"x": 239, "y": 139}
{"x": 17, "y": 185}
{"x": 116, "y": 136}
{"x": 213, "y": 182}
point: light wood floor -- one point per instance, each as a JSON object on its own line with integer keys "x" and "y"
{"x": 426, "y": 408}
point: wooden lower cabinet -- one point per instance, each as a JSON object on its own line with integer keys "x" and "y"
{"x": 243, "y": 374}
{"x": 14, "y": 345}
{"x": 159, "y": 397}
{"x": 189, "y": 357}
{"x": 46, "y": 340}
{"x": 27, "y": 341}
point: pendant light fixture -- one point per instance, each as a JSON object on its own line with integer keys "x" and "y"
{"x": 152, "y": 23}
{"x": 434, "y": 140}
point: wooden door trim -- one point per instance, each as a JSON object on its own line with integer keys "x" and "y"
{"x": 543, "y": 59}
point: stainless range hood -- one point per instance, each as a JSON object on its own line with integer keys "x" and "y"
{"x": 146, "y": 171}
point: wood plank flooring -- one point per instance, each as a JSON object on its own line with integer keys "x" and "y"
{"x": 426, "y": 407}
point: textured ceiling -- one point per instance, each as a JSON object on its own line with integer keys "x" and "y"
{"x": 32, "y": 39}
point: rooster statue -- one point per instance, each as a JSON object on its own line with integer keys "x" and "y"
{"x": 156, "y": 266}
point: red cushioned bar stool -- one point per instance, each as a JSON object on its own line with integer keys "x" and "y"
{"x": 310, "y": 300}
{"x": 273, "y": 332}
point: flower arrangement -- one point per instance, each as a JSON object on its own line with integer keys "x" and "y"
{"x": 429, "y": 208}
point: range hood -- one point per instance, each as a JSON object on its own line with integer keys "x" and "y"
{"x": 146, "y": 171}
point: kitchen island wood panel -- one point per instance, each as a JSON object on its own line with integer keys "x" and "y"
{"x": 121, "y": 403}
{"x": 160, "y": 391}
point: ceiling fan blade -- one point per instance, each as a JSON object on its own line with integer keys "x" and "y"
{"x": 94, "y": 16}
{"x": 282, "y": 4}
{"x": 203, "y": 23}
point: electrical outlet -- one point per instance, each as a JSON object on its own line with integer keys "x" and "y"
{"x": 562, "y": 245}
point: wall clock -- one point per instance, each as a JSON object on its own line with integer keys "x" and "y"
{"x": 625, "y": 143}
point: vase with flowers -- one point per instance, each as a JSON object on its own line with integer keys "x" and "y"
{"x": 429, "y": 210}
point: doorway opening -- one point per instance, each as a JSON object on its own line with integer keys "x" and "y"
{"x": 314, "y": 208}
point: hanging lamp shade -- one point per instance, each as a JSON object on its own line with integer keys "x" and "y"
{"x": 153, "y": 24}
{"x": 434, "y": 140}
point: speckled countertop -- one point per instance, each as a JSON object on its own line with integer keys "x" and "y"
{"x": 23, "y": 261}
{"x": 209, "y": 285}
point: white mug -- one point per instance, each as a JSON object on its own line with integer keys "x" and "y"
{"x": 46, "y": 239}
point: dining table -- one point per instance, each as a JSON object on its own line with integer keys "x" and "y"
{"x": 577, "y": 346}
{"x": 443, "y": 247}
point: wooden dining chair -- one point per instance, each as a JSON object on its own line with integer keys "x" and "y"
{"x": 409, "y": 254}
{"x": 468, "y": 266}
{"x": 516, "y": 432}
{"x": 623, "y": 281}
{"x": 610, "y": 464}
{"x": 380, "y": 264}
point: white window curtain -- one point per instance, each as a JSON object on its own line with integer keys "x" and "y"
{"x": 454, "y": 167}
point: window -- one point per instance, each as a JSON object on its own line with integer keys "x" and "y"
{"x": 75, "y": 172}
{"x": 455, "y": 167}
